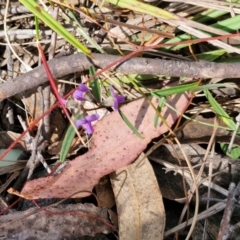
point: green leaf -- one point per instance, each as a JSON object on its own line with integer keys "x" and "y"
{"x": 174, "y": 90}
{"x": 68, "y": 139}
{"x": 83, "y": 32}
{"x": 95, "y": 85}
{"x": 37, "y": 27}
{"x": 235, "y": 152}
{"x": 213, "y": 86}
{"x": 129, "y": 124}
{"x": 54, "y": 25}
{"x": 210, "y": 55}
{"x": 220, "y": 111}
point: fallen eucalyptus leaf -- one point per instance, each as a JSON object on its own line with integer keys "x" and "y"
{"x": 114, "y": 146}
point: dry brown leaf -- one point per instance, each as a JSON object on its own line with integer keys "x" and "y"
{"x": 8, "y": 137}
{"x": 61, "y": 225}
{"x": 141, "y": 213}
{"x": 104, "y": 193}
{"x": 198, "y": 132}
{"x": 114, "y": 146}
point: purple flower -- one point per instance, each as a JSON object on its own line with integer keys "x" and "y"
{"x": 118, "y": 99}
{"x": 80, "y": 92}
{"x": 64, "y": 102}
{"x": 87, "y": 122}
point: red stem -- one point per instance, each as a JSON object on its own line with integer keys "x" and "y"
{"x": 52, "y": 82}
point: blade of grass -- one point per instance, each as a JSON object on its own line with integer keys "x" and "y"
{"x": 68, "y": 139}
{"x": 145, "y": 8}
{"x": 82, "y": 32}
{"x": 130, "y": 125}
{"x": 227, "y": 25}
{"x": 220, "y": 111}
{"x": 54, "y": 25}
{"x": 210, "y": 55}
{"x": 174, "y": 90}
{"x": 197, "y": 121}
{"x": 95, "y": 85}
{"x": 214, "y": 86}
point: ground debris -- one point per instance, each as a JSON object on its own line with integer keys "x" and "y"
{"x": 65, "y": 222}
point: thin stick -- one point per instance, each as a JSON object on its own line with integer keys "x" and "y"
{"x": 225, "y": 230}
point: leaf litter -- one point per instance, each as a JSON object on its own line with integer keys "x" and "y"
{"x": 201, "y": 135}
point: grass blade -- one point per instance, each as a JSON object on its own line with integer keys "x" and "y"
{"x": 68, "y": 139}
{"x": 220, "y": 111}
{"x": 82, "y": 32}
{"x": 129, "y": 124}
{"x": 145, "y": 8}
{"x": 174, "y": 90}
{"x": 54, "y": 25}
{"x": 95, "y": 85}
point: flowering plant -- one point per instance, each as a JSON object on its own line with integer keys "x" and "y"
{"x": 82, "y": 93}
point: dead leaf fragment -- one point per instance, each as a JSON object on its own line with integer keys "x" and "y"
{"x": 141, "y": 213}
{"x": 114, "y": 146}
{"x": 8, "y": 137}
{"x": 104, "y": 193}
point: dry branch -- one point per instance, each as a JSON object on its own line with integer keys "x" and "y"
{"x": 225, "y": 228}
{"x": 79, "y": 62}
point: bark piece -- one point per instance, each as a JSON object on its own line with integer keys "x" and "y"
{"x": 64, "y": 224}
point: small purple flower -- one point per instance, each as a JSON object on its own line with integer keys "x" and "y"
{"x": 64, "y": 101}
{"x": 118, "y": 99}
{"x": 80, "y": 92}
{"x": 87, "y": 122}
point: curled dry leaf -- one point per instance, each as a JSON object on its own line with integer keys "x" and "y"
{"x": 143, "y": 217}
{"x": 114, "y": 146}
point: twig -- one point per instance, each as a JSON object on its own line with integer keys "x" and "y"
{"x": 209, "y": 212}
{"x": 9, "y": 63}
{"x": 29, "y": 33}
{"x": 176, "y": 169}
{"x": 36, "y": 157}
{"x": 14, "y": 10}
{"x": 27, "y": 67}
{"x": 234, "y": 133}
{"x": 210, "y": 174}
{"x": 46, "y": 90}
{"x": 225, "y": 227}
{"x": 79, "y": 62}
